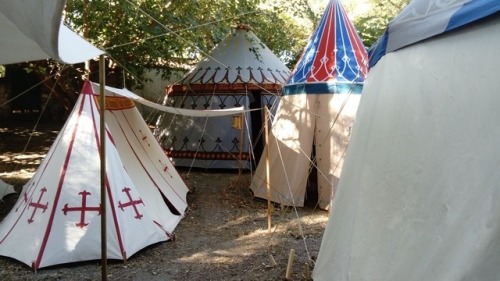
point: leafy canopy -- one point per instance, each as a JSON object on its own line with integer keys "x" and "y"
{"x": 141, "y": 34}
{"x": 171, "y": 34}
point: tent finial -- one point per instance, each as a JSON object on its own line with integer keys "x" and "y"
{"x": 243, "y": 27}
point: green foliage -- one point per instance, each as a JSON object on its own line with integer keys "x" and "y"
{"x": 141, "y": 34}
{"x": 168, "y": 35}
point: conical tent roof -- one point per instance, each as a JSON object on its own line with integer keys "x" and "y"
{"x": 57, "y": 217}
{"x": 241, "y": 61}
{"x": 333, "y": 57}
{"x": 240, "y": 71}
{"x": 418, "y": 199}
{"x": 318, "y": 108}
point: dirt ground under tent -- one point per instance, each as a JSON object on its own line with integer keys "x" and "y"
{"x": 224, "y": 236}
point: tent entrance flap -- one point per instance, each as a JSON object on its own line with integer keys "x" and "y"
{"x": 256, "y": 124}
{"x": 312, "y": 194}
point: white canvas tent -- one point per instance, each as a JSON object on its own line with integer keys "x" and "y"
{"x": 239, "y": 71}
{"x": 57, "y": 220}
{"x": 419, "y": 195}
{"x": 317, "y": 111}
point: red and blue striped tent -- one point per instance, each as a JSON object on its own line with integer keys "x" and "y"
{"x": 334, "y": 61}
{"x": 316, "y": 113}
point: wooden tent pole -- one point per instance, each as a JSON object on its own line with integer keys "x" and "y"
{"x": 242, "y": 128}
{"x": 266, "y": 129}
{"x": 102, "y": 105}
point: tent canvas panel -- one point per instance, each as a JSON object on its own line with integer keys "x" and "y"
{"x": 212, "y": 141}
{"x": 222, "y": 143}
{"x": 288, "y": 151}
{"x": 419, "y": 189}
{"x": 143, "y": 157}
{"x": 322, "y": 120}
{"x": 336, "y": 115}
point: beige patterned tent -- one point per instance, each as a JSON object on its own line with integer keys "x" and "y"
{"x": 240, "y": 71}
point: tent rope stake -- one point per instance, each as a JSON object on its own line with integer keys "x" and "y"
{"x": 289, "y": 268}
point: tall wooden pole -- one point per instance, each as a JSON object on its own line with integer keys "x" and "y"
{"x": 242, "y": 128}
{"x": 268, "y": 185}
{"x": 102, "y": 106}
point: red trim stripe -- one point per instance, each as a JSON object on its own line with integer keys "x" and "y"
{"x": 38, "y": 260}
{"x": 94, "y": 109}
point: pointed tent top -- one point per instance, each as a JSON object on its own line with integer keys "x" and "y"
{"x": 243, "y": 26}
{"x": 423, "y": 19}
{"x": 334, "y": 56}
{"x": 241, "y": 61}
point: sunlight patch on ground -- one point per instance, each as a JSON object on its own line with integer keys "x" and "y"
{"x": 20, "y": 175}
{"x": 220, "y": 254}
{"x": 314, "y": 219}
{"x": 223, "y": 255}
{"x": 14, "y": 158}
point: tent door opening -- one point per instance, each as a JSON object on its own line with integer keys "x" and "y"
{"x": 312, "y": 195}
{"x": 257, "y": 125}
{"x": 170, "y": 206}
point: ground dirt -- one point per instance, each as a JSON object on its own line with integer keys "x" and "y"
{"x": 224, "y": 235}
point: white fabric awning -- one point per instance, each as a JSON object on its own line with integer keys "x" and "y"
{"x": 174, "y": 110}
{"x": 32, "y": 30}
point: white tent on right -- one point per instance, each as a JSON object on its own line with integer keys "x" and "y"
{"x": 419, "y": 196}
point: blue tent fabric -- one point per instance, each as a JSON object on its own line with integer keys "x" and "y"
{"x": 473, "y": 11}
{"x": 325, "y": 88}
{"x": 423, "y": 19}
{"x": 324, "y": 68}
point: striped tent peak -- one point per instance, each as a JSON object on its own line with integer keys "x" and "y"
{"x": 240, "y": 59}
{"x": 334, "y": 55}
